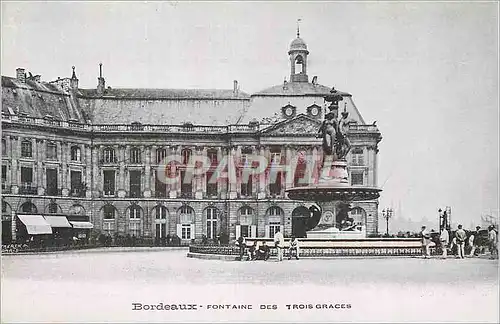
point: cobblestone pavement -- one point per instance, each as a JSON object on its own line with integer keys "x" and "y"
{"x": 101, "y": 286}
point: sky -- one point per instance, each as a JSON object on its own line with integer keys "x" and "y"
{"x": 427, "y": 72}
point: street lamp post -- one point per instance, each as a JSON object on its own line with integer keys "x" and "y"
{"x": 387, "y": 214}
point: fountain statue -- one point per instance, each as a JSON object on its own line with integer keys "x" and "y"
{"x": 333, "y": 192}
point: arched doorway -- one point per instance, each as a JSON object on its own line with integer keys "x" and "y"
{"x": 300, "y": 215}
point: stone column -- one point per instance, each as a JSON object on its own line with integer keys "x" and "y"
{"x": 15, "y": 170}
{"x": 96, "y": 179}
{"x": 262, "y": 176}
{"x": 13, "y": 225}
{"x": 40, "y": 156}
{"x": 122, "y": 154}
{"x": 231, "y": 171}
{"x": 88, "y": 163}
{"x": 147, "y": 171}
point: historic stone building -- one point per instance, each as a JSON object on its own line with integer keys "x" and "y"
{"x": 93, "y": 155}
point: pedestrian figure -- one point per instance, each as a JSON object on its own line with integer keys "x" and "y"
{"x": 474, "y": 241}
{"x": 263, "y": 251}
{"x": 493, "y": 242}
{"x": 242, "y": 245}
{"x": 444, "y": 239}
{"x": 461, "y": 237}
{"x": 426, "y": 241}
{"x": 279, "y": 243}
{"x": 252, "y": 251}
{"x": 294, "y": 246}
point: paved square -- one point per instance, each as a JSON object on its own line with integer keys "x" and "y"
{"x": 102, "y": 285}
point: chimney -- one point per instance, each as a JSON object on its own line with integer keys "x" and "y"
{"x": 235, "y": 87}
{"x": 285, "y": 84}
{"x": 21, "y": 75}
{"x": 37, "y": 78}
{"x": 101, "y": 85}
{"x": 74, "y": 80}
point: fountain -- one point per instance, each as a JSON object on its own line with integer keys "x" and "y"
{"x": 332, "y": 192}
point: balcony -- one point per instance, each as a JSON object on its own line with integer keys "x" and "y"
{"x": 27, "y": 188}
{"x": 5, "y": 188}
{"x": 160, "y": 194}
{"x": 53, "y": 192}
{"x": 188, "y": 195}
{"x": 79, "y": 193}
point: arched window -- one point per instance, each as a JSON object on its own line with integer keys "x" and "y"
{"x": 185, "y": 227}
{"x": 135, "y": 212}
{"x": 26, "y": 149}
{"x": 109, "y": 155}
{"x": 246, "y": 228}
{"x": 53, "y": 208}
{"x": 29, "y": 208}
{"x": 77, "y": 210}
{"x": 160, "y": 215}
{"x": 135, "y": 155}
{"x": 75, "y": 154}
{"x": 211, "y": 215}
{"x": 275, "y": 214}
{"x": 275, "y": 211}
{"x": 299, "y": 64}
{"x": 109, "y": 212}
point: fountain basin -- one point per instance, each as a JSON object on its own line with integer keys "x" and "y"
{"x": 319, "y": 193}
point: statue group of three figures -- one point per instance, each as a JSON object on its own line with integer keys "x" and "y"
{"x": 334, "y": 130}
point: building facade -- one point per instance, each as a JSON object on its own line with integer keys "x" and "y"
{"x": 98, "y": 155}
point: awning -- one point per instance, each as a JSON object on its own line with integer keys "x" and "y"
{"x": 82, "y": 224}
{"x": 57, "y": 221}
{"x": 35, "y": 224}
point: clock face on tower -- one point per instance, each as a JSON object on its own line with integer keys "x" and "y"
{"x": 289, "y": 111}
{"x": 314, "y": 111}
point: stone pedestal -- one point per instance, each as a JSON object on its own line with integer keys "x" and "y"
{"x": 65, "y": 192}
{"x": 198, "y": 195}
{"x": 147, "y": 193}
{"x": 334, "y": 174}
{"x": 172, "y": 194}
{"x": 122, "y": 193}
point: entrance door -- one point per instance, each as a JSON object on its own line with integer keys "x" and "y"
{"x": 300, "y": 215}
{"x": 161, "y": 230}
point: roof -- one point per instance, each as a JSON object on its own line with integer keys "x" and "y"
{"x": 151, "y": 94}
{"x": 38, "y": 99}
{"x": 298, "y": 89}
{"x": 298, "y": 44}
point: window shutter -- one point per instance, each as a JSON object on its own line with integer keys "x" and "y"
{"x": 253, "y": 231}
{"x": 179, "y": 230}
{"x": 282, "y": 228}
{"x": 267, "y": 231}
{"x": 192, "y": 232}
{"x": 238, "y": 231}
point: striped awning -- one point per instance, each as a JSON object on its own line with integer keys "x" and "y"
{"x": 57, "y": 221}
{"x": 35, "y": 224}
{"x": 83, "y": 225}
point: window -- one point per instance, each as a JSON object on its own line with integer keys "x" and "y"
{"x": 4, "y": 146}
{"x": 356, "y": 178}
{"x": 135, "y": 228}
{"x": 28, "y": 207}
{"x": 77, "y": 187}
{"x": 135, "y": 212}
{"x": 274, "y": 227}
{"x": 211, "y": 214}
{"x": 358, "y": 215}
{"x": 108, "y": 226}
{"x": 26, "y": 175}
{"x": 212, "y": 157}
{"x": 160, "y": 221}
{"x": 275, "y": 211}
{"x": 109, "y": 212}
{"x": 186, "y": 231}
{"x": 245, "y": 156}
{"x": 135, "y": 183}
{"x": 161, "y": 212}
{"x": 26, "y": 149}
{"x": 51, "y": 180}
{"x": 4, "y": 176}
{"x": 211, "y": 184}
{"x": 186, "y": 155}
{"x": 109, "y": 155}
{"x": 53, "y": 208}
{"x": 299, "y": 65}
{"x": 246, "y": 187}
{"x": 357, "y": 157}
{"x": 160, "y": 187}
{"x": 186, "y": 185}
{"x": 51, "y": 153}
{"x": 135, "y": 155}
{"x": 300, "y": 171}
{"x": 109, "y": 182}
{"x": 245, "y": 230}
{"x": 161, "y": 154}
{"x": 75, "y": 154}
{"x": 275, "y": 154}
{"x": 275, "y": 187}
